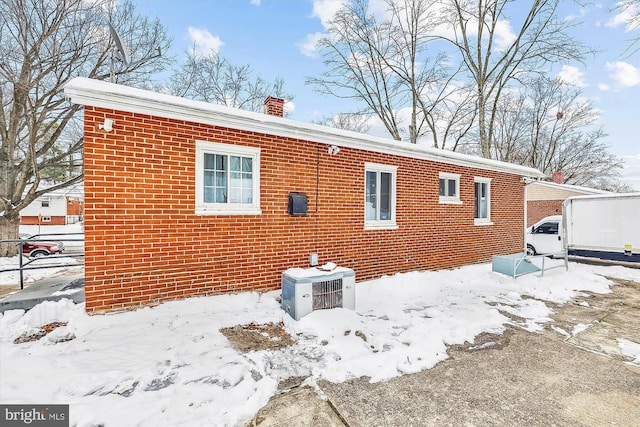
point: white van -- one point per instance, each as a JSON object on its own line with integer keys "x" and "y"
{"x": 545, "y": 236}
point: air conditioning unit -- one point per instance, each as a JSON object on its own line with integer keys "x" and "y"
{"x": 306, "y": 290}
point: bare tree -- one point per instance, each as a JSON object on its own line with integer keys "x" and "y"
{"x": 214, "y": 79}
{"x": 553, "y": 128}
{"x": 630, "y": 9}
{"x": 512, "y": 127}
{"x": 382, "y": 61}
{"x": 495, "y": 59}
{"x": 43, "y": 44}
{"x": 355, "y": 122}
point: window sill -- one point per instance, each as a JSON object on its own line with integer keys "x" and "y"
{"x": 386, "y": 225}
{"x": 449, "y": 201}
{"x": 246, "y": 211}
{"x": 482, "y": 221}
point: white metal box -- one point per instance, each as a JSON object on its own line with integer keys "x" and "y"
{"x": 306, "y": 290}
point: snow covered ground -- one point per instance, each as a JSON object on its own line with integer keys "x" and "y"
{"x": 169, "y": 365}
{"x": 12, "y": 278}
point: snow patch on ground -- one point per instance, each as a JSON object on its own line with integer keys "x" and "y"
{"x": 12, "y": 278}
{"x": 631, "y": 349}
{"x": 579, "y": 328}
{"x": 170, "y": 365}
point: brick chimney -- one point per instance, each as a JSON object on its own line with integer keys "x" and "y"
{"x": 274, "y": 106}
{"x": 558, "y": 177}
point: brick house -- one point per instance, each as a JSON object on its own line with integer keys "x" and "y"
{"x": 186, "y": 198}
{"x": 544, "y": 198}
{"x": 58, "y": 207}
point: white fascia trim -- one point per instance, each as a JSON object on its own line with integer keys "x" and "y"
{"x": 96, "y": 93}
{"x": 570, "y": 187}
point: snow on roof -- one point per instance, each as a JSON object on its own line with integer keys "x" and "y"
{"x": 606, "y": 196}
{"x": 74, "y": 190}
{"x": 103, "y": 94}
{"x": 569, "y": 187}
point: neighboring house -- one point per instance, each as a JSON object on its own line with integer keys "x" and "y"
{"x": 59, "y": 207}
{"x": 187, "y": 198}
{"x": 545, "y": 198}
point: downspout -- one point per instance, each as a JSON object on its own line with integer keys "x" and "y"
{"x": 317, "y": 196}
{"x": 524, "y": 233}
{"x": 565, "y": 229}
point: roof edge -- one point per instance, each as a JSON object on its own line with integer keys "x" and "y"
{"x": 96, "y": 93}
{"x": 571, "y": 187}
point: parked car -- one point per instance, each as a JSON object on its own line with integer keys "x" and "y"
{"x": 545, "y": 236}
{"x": 36, "y": 248}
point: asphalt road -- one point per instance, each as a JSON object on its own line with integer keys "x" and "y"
{"x": 521, "y": 378}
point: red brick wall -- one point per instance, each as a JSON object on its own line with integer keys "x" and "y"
{"x": 144, "y": 244}
{"x": 74, "y": 206}
{"x": 31, "y": 220}
{"x": 538, "y": 209}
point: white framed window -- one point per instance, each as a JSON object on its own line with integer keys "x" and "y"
{"x": 227, "y": 179}
{"x": 45, "y": 202}
{"x": 380, "y": 196}
{"x": 482, "y": 204}
{"x": 449, "y": 188}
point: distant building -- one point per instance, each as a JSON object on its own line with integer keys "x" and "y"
{"x": 545, "y": 198}
{"x": 59, "y": 207}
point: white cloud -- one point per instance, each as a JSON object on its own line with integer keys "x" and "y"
{"x": 289, "y": 107}
{"x": 625, "y": 18}
{"x": 623, "y": 73}
{"x": 256, "y": 2}
{"x": 604, "y": 87}
{"x": 572, "y": 75}
{"x": 582, "y": 12}
{"x": 504, "y": 35}
{"x": 308, "y": 46}
{"x": 204, "y": 42}
{"x": 378, "y": 8}
{"x": 377, "y": 128}
{"x": 326, "y": 9}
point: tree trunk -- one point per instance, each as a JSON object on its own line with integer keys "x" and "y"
{"x": 485, "y": 142}
{"x": 9, "y": 230}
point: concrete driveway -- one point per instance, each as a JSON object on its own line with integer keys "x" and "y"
{"x": 573, "y": 373}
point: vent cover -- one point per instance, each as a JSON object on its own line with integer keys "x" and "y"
{"x": 327, "y": 294}
{"x": 297, "y": 204}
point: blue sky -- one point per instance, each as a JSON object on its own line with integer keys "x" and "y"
{"x": 275, "y": 37}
